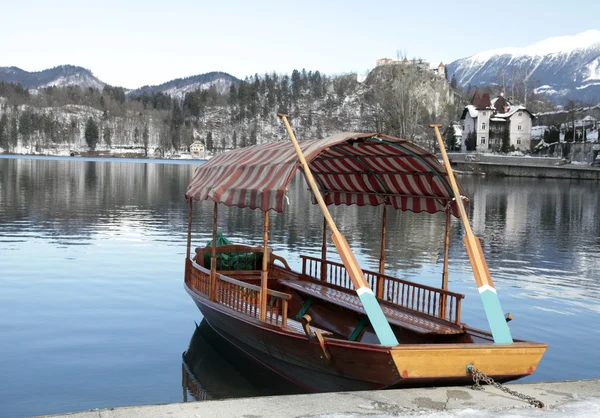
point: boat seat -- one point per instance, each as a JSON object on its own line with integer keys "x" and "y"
{"x": 402, "y": 317}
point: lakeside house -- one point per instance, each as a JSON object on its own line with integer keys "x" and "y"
{"x": 495, "y": 123}
{"x": 197, "y": 149}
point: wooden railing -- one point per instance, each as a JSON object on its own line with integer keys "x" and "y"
{"x": 424, "y": 299}
{"x": 239, "y": 296}
{"x": 197, "y": 278}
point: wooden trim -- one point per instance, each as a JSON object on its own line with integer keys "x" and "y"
{"x": 448, "y": 292}
{"x": 324, "y": 250}
{"x": 265, "y": 273}
{"x": 443, "y": 300}
{"x": 448, "y": 360}
{"x": 383, "y": 234}
{"x": 213, "y": 263}
{"x": 243, "y": 284}
{"x": 189, "y": 233}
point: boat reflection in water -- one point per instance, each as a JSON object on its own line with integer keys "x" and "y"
{"x": 214, "y": 369}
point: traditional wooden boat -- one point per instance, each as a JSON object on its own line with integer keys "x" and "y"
{"x": 335, "y": 326}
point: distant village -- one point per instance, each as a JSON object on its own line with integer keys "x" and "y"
{"x": 497, "y": 125}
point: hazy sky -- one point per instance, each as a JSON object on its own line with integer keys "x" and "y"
{"x": 133, "y": 43}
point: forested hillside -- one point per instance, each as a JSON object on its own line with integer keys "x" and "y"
{"x": 396, "y": 100}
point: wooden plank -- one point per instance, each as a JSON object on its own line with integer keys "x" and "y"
{"x": 189, "y": 233}
{"x": 416, "y": 322}
{"x": 265, "y": 272}
{"x": 213, "y": 263}
{"x": 446, "y": 360}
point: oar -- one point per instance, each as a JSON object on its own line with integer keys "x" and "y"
{"x": 378, "y": 320}
{"x": 487, "y": 291}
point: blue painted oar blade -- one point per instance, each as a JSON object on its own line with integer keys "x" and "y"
{"x": 378, "y": 320}
{"x": 495, "y": 315}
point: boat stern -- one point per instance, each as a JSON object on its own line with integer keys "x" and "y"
{"x": 448, "y": 362}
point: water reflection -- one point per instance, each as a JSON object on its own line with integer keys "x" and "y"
{"x": 91, "y": 267}
{"x": 213, "y": 369}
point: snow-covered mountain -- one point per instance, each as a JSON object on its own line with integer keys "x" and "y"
{"x": 67, "y": 75}
{"x": 63, "y": 75}
{"x": 562, "y": 68}
{"x": 180, "y": 86}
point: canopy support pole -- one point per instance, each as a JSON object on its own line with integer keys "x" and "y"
{"x": 383, "y": 235}
{"x": 485, "y": 285}
{"x": 213, "y": 260}
{"x": 189, "y": 234}
{"x": 379, "y": 289}
{"x": 365, "y": 293}
{"x": 265, "y": 273}
{"x": 443, "y": 300}
{"x": 324, "y": 252}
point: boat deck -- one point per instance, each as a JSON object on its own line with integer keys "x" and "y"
{"x": 414, "y": 321}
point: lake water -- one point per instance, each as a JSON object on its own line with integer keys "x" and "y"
{"x": 92, "y": 308}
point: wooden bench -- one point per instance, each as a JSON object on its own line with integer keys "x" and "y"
{"x": 402, "y": 317}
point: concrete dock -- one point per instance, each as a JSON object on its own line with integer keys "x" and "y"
{"x": 565, "y": 398}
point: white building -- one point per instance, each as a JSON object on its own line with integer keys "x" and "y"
{"x": 197, "y": 149}
{"x": 420, "y": 63}
{"x": 496, "y": 119}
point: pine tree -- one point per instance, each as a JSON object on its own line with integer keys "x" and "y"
{"x": 106, "y": 136}
{"x": 234, "y": 140}
{"x": 3, "y": 131}
{"x": 505, "y": 141}
{"x": 209, "y": 141}
{"x": 471, "y": 142}
{"x": 253, "y": 136}
{"x": 175, "y": 125}
{"x": 296, "y": 85}
{"x": 453, "y": 82}
{"x": 91, "y": 133}
{"x": 136, "y": 135}
{"x": 14, "y": 133}
{"x": 25, "y": 126}
{"x": 145, "y": 139}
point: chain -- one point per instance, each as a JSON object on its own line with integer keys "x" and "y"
{"x": 479, "y": 376}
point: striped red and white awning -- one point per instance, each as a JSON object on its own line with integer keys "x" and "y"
{"x": 350, "y": 168}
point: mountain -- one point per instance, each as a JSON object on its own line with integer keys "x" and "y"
{"x": 67, "y": 75}
{"x": 180, "y": 86}
{"x": 63, "y": 75}
{"x": 560, "y": 68}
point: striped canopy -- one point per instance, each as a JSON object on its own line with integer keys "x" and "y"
{"x": 350, "y": 168}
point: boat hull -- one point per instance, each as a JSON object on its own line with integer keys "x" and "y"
{"x": 357, "y": 366}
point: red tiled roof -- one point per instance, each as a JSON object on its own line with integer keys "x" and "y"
{"x": 485, "y": 101}
{"x": 476, "y": 99}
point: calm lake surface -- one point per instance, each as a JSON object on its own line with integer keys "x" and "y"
{"x": 92, "y": 308}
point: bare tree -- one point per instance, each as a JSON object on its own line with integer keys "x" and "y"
{"x": 403, "y": 100}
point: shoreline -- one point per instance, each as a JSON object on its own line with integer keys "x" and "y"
{"x": 579, "y": 394}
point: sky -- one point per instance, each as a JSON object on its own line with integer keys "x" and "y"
{"x": 135, "y": 43}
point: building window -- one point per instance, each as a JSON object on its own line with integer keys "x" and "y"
{"x": 483, "y": 125}
{"x": 483, "y": 139}
{"x": 520, "y": 113}
{"x": 518, "y": 142}
{"x": 518, "y": 127}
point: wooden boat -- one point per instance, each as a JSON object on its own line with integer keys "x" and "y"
{"x": 335, "y": 326}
